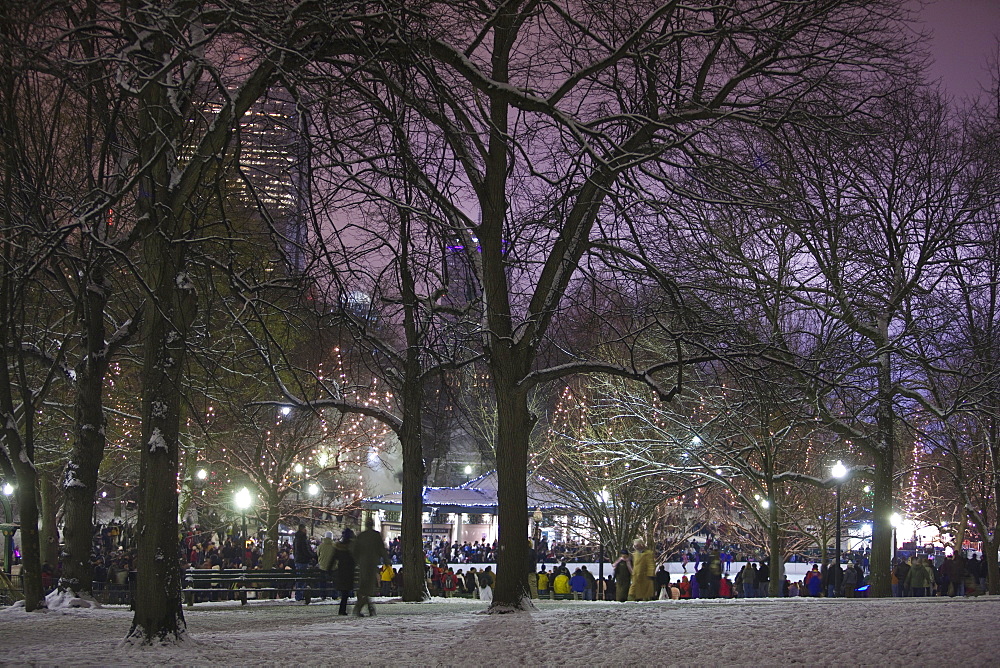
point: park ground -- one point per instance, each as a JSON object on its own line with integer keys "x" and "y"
{"x": 456, "y": 632}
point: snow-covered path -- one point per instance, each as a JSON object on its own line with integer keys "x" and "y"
{"x": 759, "y": 632}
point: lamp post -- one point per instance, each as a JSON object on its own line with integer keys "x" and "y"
{"x": 313, "y": 490}
{"x": 895, "y": 520}
{"x": 7, "y": 527}
{"x": 536, "y": 535}
{"x": 839, "y": 472}
{"x": 243, "y": 500}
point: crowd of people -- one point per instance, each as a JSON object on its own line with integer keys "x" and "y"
{"x": 632, "y": 579}
{"x": 632, "y": 574}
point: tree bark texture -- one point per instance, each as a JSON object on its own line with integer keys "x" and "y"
{"x": 79, "y": 481}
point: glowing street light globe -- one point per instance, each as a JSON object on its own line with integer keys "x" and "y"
{"x": 313, "y": 489}
{"x": 839, "y": 471}
{"x": 243, "y": 499}
{"x": 8, "y": 489}
{"x": 895, "y": 520}
{"x": 202, "y": 474}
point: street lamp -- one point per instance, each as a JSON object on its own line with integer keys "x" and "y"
{"x": 313, "y": 490}
{"x": 895, "y": 520}
{"x": 839, "y": 471}
{"x": 243, "y": 501}
{"x": 8, "y": 489}
{"x": 537, "y": 519}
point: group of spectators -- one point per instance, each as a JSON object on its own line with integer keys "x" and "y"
{"x": 112, "y": 560}
{"x": 437, "y": 551}
{"x": 952, "y": 575}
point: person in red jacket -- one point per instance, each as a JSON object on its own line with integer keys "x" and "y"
{"x": 448, "y": 583}
{"x": 685, "y": 587}
{"x": 725, "y": 588}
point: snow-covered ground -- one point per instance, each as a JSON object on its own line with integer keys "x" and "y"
{"x": 454, "y": 632}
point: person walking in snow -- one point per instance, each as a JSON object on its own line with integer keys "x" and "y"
{"x": 369, "y": 553}
{"x": 662, "y": 583}
{"x": 303, "y": 554}
{"x": 324, "y": 559}
{"x": 623, "y": 575}
{"x": 641, "y": 588}
{"x": 342, "y": 566}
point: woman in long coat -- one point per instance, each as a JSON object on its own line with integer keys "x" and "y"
{"x": 623, "y": 576}
{"x": 342, "y": 563}
{"x": 643, "y": 567}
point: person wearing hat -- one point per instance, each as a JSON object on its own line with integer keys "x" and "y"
{"x": 850, "y": 580}
{"x": 623, "y": 575}
{"x": 641, "y": 588}
{"x": 542, "y": 578}
{"x": 324, "y": 556}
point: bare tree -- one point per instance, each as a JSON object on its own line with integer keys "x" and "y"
{"x": 179, "y": 56}
{"x": 596, "y": 485}
{"x": 539, "y": 144}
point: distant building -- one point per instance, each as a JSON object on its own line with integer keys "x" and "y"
{"x": 461, "y": 276}
{"x": 272, "y": 162}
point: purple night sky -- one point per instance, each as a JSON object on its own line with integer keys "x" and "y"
{"x": 964, "y": 36}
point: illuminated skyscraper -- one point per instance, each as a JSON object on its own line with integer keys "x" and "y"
{"x": 272, "y": 178}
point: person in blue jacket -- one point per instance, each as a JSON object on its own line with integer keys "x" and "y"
{"x": 577, "y": 584}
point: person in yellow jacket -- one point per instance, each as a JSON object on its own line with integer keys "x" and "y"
{"x": 641, "y": 588}
{"x": 561, "y": 584}
{"x": 543, "y": 583}
{"x": 386, "y": 576}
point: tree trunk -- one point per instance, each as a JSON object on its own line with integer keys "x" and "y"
{"x": 992, "y": 566}
{"x": 960, "y": 534}
{"x": 411, "y": 429}
{"x": 31, "y": 558}
{"x": 158, "y": 613}
{"x": 79, "y": 482}
{"x": 414, "y": 582}
{"x": 774, "y": 549}
{"x": 880, "y": 580}
{"x": 513, "y": 432}
{"x": 48, "y": 528}
{"x": 169, "y": 311}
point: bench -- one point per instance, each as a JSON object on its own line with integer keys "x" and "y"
{"x": 239, "y": 584}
